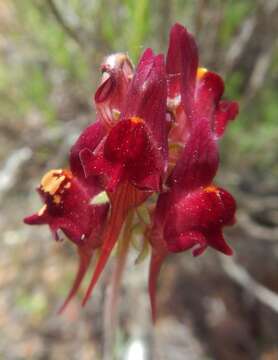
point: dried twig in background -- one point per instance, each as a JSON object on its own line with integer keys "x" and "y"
{"x": 243, "y": 278}
{"x": 72, "y": 33}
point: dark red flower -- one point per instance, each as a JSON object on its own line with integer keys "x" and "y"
{"x": 186, "y": 87}
{"x": 157, "y": 132}
{"x": 200, "y": 92}
{"x": 67, "y": 208}
{"x": 193, "y": 212}
{"x": 133, "y": 157}
{"x": 135, "y": 149}
{"x": 199, "y": 218}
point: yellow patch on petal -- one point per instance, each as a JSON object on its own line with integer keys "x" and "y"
{"x": 53, "y": 179}
{"x": 57, "y": 199}
{"x": 136, "y": 120}
{"x": 116, "y": 114}
{"x": 201, "y": 72}
{"x": 211, "y": 189}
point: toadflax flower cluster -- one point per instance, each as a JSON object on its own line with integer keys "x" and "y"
{"x": 146, "y": 165}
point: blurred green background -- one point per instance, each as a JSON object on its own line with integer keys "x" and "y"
{"x": 50, "y": 53}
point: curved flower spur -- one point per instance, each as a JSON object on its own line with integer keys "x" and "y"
{"x": 146, "y": 165}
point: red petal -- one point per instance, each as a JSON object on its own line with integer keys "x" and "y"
{"x": 105, "y": 89}
{"x": 146, "y": 57}
{"x": 181, "y": 65}
{"x": 155, "y": 266}
{"x": 146, "y": 98}
{"x": 109, "y": 174}
{"x": 210, "y": 87}
{"x": 118, "y": 215}
{"x": 198, "y": 162}
{"x": 67, "y": 207}
{"x": 127, "y": 141}
{"x": 129, "y": 152}
{"x": 209, "y": 90}
{"x": 36, "y": 219}
{"x": 84, "y": 262}
{"x": 205, "y": 209}
{"x": 111, "y": 94}
{"x": 186, "y": 241}
{"x": 85, "y": 250}
{"x": 159, "y": 248}
{"x": 77, "y": 213}
{"x": 130, "y": 144}
{"x": 217, "y": 241}
{"x": 209, "y": 108}
{"x": 89, "y": 139}
{"x": 109, "y": 242}
{"x": 136, "y": 147}
{"x": 196, "y": 216}
{"x": 225, "y": 112}
{"x": 125, "y": 198}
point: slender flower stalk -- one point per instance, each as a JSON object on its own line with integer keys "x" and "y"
{"x": 112, "y": 294}
{"x": 147, "y": 164}
{"x": 118, "y": 215}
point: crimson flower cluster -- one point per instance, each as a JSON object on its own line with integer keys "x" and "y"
{"x": 148, "y": 162}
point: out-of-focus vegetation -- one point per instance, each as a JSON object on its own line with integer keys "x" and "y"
{"x": 50, "y": 55}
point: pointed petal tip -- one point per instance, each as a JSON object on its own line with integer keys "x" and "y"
{"x": 110, "y": 238}
{"x": 84, "y": 262}
{"x": 181, "y": 64}
{"x": 218, "y": 242}
{"x": 177, "y": 28}
{"x": 234, "y": 110}
{"x": 180, "y": 33}
{"x": 147, "y": 54}
{"x": 34, "y": 219}
{"x": 159, "y": 59}
{"x": 97, "y": 273}
{"x": 155, "y": 267}
{"x": 28, "y": 220}
{"x": 228, "y": 251}
{"x": 63, "y": 307}
{"x": 211, "y": 86}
